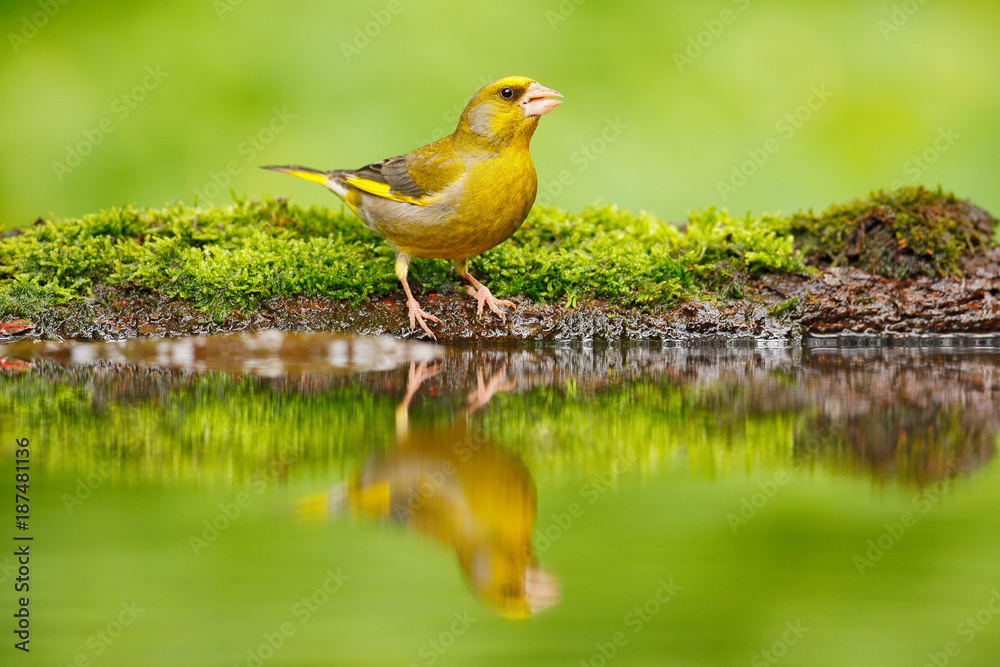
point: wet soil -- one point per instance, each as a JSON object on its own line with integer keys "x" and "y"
{"x": 849, "y": 300}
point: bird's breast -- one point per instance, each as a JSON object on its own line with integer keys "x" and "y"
{"x": 481, "y": 210}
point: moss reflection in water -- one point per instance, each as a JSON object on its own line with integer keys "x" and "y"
{"x": 906, "y": 414}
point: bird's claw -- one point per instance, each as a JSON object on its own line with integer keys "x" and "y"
{"x": 484, "y": 297}
{"x": 417, "y": 315}
{"x": 484, "y": 390}
{"x": 423, "y": 371}
{"x": 418, "y": 373}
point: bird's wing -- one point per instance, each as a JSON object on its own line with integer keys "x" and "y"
{"x": 411, "y": 179}
{"x": 388, "y": 179}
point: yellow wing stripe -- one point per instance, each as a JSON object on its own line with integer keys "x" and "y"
{"x": 383, "y": 190}
{"x": 375, "y": 500}
{"x": 312, "y": 508}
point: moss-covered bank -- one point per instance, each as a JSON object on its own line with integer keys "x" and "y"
{"x": 128, "y": 272}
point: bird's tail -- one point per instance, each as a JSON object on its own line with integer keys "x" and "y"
{"x": 321, "y": 177}
{"x": 332, "y": 180}
{"x": 322, "y": 505}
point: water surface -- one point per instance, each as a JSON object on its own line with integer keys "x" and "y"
{"x": 308, "y": 499}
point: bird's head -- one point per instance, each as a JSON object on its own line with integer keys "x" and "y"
{"x": 511, "y": 583}
{"x": 508, "y": 110}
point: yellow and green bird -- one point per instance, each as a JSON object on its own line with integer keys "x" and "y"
{"x": 456, "y": 197}
{"x": 457, "y": 487}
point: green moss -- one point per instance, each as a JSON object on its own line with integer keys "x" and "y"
{"x": 27, "y": 296}
{"x": 899, "y": 234}
{"x": 234, "y": 258}
{"x": 785, "y": 306}
{"x": 227, "y": 258}
{"x": 237, "y": 257}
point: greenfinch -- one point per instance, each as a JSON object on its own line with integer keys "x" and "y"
{"x": 456, "y": 197}
{"x": 466, "y": 493}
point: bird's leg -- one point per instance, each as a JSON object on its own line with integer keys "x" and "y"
{"x": 418, "y": 373}
{"x": 416, "y": 313}
{"x": 480, "y": 292}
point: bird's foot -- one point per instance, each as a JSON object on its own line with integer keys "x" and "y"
{"x": 484, "y": 390}
{"x": 485, "y": 297}
{"x": 418, "y": 373}
{"x": 417, "y": 314}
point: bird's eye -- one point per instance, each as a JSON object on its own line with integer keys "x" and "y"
{"x": 506, "y": 93}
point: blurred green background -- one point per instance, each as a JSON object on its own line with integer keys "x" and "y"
{"x": 111, "y": 102}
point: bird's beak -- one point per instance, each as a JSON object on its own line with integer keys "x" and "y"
{"x": 536, "y": 102}
{"x": 541, "y": 589}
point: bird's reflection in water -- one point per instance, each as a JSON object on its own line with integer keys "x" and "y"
{"x": 451, "y": 483}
